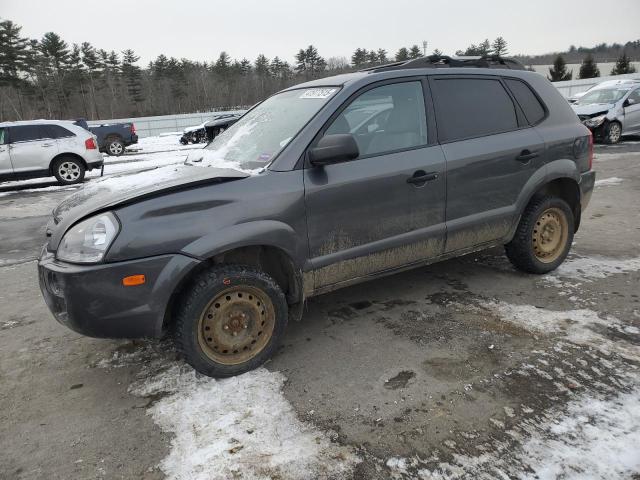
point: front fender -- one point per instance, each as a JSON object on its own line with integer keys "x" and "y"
{"x": 271, "y": 233}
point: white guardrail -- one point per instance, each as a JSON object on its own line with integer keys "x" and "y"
{"x": 152, "y": 126}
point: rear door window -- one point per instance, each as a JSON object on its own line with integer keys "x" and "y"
{"x": 533, "y": 109}
{"x": 56, "y": 131}
{"x": 472, "y": 107}
{"x": 27, "y": 133}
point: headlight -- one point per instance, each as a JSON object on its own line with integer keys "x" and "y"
{"x": 88, "y": 241}
{"x": 595, "y": 121}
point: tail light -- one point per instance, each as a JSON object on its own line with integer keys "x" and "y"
{"x": 90, "y": 143}
{"x": 590, "y": 150}
{"x": 133, "y": 129}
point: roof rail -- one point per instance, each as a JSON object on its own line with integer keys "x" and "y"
{"x": 440, "y": 61}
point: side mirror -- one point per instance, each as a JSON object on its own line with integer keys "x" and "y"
{"x": 628, "y": 102}
{"x": 334, "y": 149}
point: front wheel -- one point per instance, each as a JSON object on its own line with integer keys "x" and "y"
{"x": 543, "y": 237}
{"x": 613, "y": 133}
{"x": 231, "y": 320}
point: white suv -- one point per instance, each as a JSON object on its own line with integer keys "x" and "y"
{"x": 42, "y": 148}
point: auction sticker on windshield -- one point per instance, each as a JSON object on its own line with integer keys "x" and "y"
{"x": 318, "y": 93}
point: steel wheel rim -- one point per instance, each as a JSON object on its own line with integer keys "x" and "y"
{"x": 115, "y": 148}
{"x": 614, "y": 132}
{"x": 70, "y": 171}
{"x": 236, "y": 325}
{"x": 550, "y": 234}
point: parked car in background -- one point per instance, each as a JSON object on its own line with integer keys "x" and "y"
{"x": 45, "y": 148}
{"x": 342, "y": 179}
{"x": 207, "y": 131}
{"x": 113, "y": 138}
{"x": 611, "y": 109}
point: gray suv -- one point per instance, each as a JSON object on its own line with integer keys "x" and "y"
{"x": 322, "y": 185}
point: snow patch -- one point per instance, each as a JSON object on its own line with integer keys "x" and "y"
{"x": 608, "y": 182}
{"x": 241, "y": 427}
{"x": 587, "y": 269}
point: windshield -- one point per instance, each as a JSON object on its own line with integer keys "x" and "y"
{"x": 257, "y": 138}
{"x": 603, "y": 95}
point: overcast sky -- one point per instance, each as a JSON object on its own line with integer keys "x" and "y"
{"x": 201, "y": 29}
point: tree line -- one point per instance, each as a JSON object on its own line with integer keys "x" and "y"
{"x": 48, "y": 78}
{"x": 588, "y": 68}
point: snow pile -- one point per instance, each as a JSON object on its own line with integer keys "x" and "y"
{"x": 241, "y": 427}
{"x": 608, "y": 182}
{"x": 590, "y": 268}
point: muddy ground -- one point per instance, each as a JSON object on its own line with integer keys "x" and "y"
{"x": 464, "y": 369}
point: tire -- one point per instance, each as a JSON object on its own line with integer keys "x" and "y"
{"x": 544, "y": 235}
{"x": 68, "y": 170}
{"x": 613, "y": 133}
{"x": 115, "y": 147}
{"x": 230, "y": 321}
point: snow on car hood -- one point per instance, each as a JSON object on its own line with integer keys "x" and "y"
{"x": 591, "y": 109}
{"x": 118, "y": 189}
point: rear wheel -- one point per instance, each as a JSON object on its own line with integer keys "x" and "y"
{"x": 68, "y": 170}
{"x": 115, "y": 147}
{"x": 543, "y": 237}
{"x": 231, "y": 321}
{"x": 613, "y": 133}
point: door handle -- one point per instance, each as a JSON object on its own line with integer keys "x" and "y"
{"x": 526, "y": 155}
{"x": 45, "y": 145}
{"x": 422, "y": 177}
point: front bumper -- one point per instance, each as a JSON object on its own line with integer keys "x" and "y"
{"x": 91, "y": 300}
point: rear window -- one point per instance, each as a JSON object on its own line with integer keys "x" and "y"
{"x": 472, "y": 107}
{"x": 59, "y": 132}
{"x": 25, "y": 133}
{"x": 533, "y": 109}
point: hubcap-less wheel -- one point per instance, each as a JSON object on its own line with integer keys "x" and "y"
{"x": 236, "y": 325}
{"x": 69, "y": 171}
{"x": 614, "y": 133}
{"x": 116, "y": 148}
{"x": 550, "y": 235}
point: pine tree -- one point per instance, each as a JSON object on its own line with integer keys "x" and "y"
{"x": 223, "y": 64}
{"x": 415, "y": 52}
{"x": 359, "y": 58}
{"x": 589, "y": 68}
{"x": 500, "y": 47}
{"x": 14, "y": 53}
{"x": 402, "y": 55}
{"x": 245, "y": 66}
{"x": 437, "y": 52}
{"x": 485, "y": 48}
{"x": 382, "y": 56}
{"x": 558, "y": 72}
{"x": 372, "y": 57}
{"x": 55, "y": 50}
{"x": 132, "y": 77}
{"x": 623, "y": 65}
{"x": 262, "y": 66}
{"x": 309, "y": 62}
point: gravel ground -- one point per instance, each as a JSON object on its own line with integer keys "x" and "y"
{"x": 464, "y": 369}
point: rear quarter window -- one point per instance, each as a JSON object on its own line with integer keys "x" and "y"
{"x": 533, "y": 109}
{"x": 472, "y": 107}
{"x": 57, "y": 131}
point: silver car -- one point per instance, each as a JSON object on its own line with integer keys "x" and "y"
{"x": 45, "y": 148}
{"x": 611, "y": 109}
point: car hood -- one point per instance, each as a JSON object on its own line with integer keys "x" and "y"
{"x": 121, "y": 189}
{"x": 591, "y": 109}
